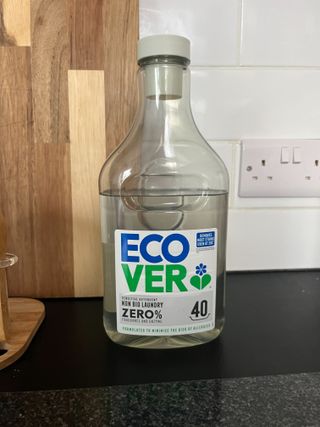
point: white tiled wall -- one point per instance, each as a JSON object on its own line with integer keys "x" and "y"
{"x": 256, "y": 103}
{"x": 207, "y": 22}
{"x": 255, "y": 74}
{"x": 280, "y": 32}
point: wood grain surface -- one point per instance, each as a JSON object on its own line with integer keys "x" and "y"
{"x": 15, "y": 86}
{"x": 16, "y": 21}
{"x": 50, "y": 61}
{"x": 86, "y": 23}
{"x": 4, "y": 307}
{"x": 49, "y": 187}
{"x": 3, "y": 236}
{"x": 121, "y": 30}
{"x": 51, "y": 213}
{"x": 15, "y": 138}
{"x": 5, "y": 38}
{"x": 88, "y": 149}
{"x": 16, "y": 206}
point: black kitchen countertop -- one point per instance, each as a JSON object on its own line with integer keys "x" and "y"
{"x": 263, "y": 370}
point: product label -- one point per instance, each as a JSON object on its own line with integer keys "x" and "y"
{"x": 165, "y": 281}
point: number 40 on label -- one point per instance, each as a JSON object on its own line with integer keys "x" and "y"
{"x": 200, "y": 309}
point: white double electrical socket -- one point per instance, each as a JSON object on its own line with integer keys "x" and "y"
{"x": 280, "y": 168}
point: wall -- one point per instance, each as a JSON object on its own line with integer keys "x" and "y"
{"x": 255, "y": 74}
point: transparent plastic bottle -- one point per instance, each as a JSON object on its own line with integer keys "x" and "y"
{"x": 164, "y": 203}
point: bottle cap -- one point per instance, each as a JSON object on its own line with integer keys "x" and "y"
{"x": 164, "y": 44}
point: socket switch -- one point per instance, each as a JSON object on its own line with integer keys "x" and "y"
{"x": 280, "y": 168}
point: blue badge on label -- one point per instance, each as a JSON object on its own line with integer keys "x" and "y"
{"x": 205, "y": 239}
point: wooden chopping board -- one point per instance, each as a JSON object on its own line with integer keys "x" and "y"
{"x": 67, "y": 98}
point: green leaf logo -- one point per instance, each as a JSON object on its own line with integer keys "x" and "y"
{"x": 195, "y": 282}
{"x": 206, "y": 279}
{"x": 200, "y": 282}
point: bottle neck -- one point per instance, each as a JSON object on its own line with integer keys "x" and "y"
{"x": 165, "y": 94}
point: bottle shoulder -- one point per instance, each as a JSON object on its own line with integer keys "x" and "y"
{"x": 140, "y": 164}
